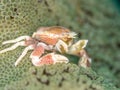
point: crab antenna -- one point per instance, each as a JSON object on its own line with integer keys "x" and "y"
{"x": 23, "y": 54}
{"x": 16, "y": 40}
{"x": 22, "y": 43}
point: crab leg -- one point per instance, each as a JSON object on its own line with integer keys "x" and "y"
{"x": 16, "y": 40}
{"x": 23, "y": 54}
{"x": 22, "y": 43}
{"x": 38, "y": 51}
{"x": 85, "y": 60}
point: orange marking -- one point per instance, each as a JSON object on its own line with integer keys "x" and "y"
{"x": 38, "y": 51}
{"x": 47, "y": 59}
{"x": 49, "y": 40}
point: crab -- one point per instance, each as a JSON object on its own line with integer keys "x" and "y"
{"x": 51, "y": 40}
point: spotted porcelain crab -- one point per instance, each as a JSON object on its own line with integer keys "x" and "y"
{"x": 50, "y": 39}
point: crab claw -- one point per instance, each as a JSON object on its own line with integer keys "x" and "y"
{"x": 50, "y": 58}
{"x": 77, "y": 47}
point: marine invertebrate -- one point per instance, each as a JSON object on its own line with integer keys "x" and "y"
{"x": 55, "y": 38}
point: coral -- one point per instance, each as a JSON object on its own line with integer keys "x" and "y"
{"x": 60, "y": 77}
{"x": 96, "y": 20}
